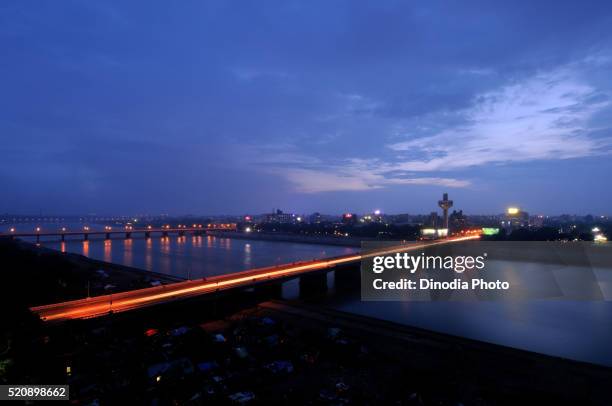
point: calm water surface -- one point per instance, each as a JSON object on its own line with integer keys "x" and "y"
{"x": 580, "y": 330}
{"x": 195, "y": 256}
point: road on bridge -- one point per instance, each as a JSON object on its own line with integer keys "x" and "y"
{"x": 140, "y": 298}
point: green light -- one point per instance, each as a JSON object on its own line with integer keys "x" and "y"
{"x": 490, "y": 231}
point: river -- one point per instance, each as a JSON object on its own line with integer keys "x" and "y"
{"x": 580, "y": 330}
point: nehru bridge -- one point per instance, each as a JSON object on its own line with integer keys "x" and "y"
{"x": 126, "y": 231}
{"x": 311, "y": 274}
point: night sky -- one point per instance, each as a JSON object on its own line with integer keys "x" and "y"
{"x": 210, "y": 107}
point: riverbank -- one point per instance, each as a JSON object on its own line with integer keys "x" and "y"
{"x": 37, "y": 275}
{"x": 279, "y": 352}
{"x": 440, "y": 362}
{"x": 282, "y": 237}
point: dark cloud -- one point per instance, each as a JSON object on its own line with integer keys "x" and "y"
{"x": 231, "y": 107}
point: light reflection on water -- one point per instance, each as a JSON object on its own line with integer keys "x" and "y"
{"x": 579, "y": 330}
{"x": 108, "y": 250}
{"x": 198, "y": 256}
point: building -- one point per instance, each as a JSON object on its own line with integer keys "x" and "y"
{"x": 445, "y": 204}
{"x": 316, "y": 218}
{"x": 457, "y": 221}
{"x": 375, "y": 217}
{"x": 515, "y": 218}
{"x": 280, "y": 217}
{"x": 349, "y": 218}
{"x": 536, "y": 221}
{"x": 434, "y": 220}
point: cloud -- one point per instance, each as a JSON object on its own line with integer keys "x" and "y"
{"x": 248, "y": 74}
{"x": 353, "y": 179}
{"x": 311, "y": 175}
{"x": 544, "y": 117}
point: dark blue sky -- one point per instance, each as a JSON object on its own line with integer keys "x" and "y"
{"x": 233, "y": 107}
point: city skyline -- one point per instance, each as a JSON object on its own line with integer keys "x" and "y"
{"x": 230, "y": 108}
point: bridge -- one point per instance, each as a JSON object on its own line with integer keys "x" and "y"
{"x": 142, "y": 298}
{"x": 127, "y": 231}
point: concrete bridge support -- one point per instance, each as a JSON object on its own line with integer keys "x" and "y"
{"x": 164, "y": 234}
{"x": 128, "y": 236}
{"x": 269, "y": 291}
{"x": 181, "y": 233}
{"x": 313, "y": 284}
{"x": 63, "y": 238}
{"x": 85, "y": 237}
{"x": 347, "y": 278}
{"x": 107, "y": 236}
{"x": 147, "y": 234}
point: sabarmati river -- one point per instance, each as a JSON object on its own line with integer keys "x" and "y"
{"x": 195, "y": 256}
{"x": 580, "y": 330}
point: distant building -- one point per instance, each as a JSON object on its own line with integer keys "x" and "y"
{"x": 445, "y": 204}
{"x": 515, "y": 218}
{"x": 434, "y": 220}
{"x": 536, "y": 221}
{"x": 433, "y": 233}
{"x": 457, "y": 221}
{"x": 349, "y": 218}
{"x": 280, "y": 217}
{"x": 315, "y": 218}
{"x": 375, "y": 217}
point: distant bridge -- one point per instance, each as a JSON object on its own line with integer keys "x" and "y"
{"x": 311, "y": 272}
{"x": 108, "y": 231}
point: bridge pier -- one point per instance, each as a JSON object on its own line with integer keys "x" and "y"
{"x": 347, "y": 278}
{"x": 128, "y": 236}
{"x": 181, "y": 233}
{"x": 107, "y": 236}
{"x": 85, "y": 237}
{"x": 269, "y": 291}
{"x": 37, "y": 238}
{"x": 63, "y": 237}
{"x": 164, "y": 233}
{"x": 147, "y": 234}
{"x": 313, "y": 284}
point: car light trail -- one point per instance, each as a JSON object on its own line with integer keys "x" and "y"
{"x": 140, "y": 298}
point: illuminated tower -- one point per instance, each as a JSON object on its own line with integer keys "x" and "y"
{"x": 445, "y": 204}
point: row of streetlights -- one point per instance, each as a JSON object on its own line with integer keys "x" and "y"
{"x": 13, "y": 230}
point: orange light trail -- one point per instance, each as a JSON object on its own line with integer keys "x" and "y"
{"x": 139, "y": 298}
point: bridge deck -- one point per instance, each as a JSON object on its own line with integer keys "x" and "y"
{"x": 139, "y": 298}
{"x": 115, "y": 231}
